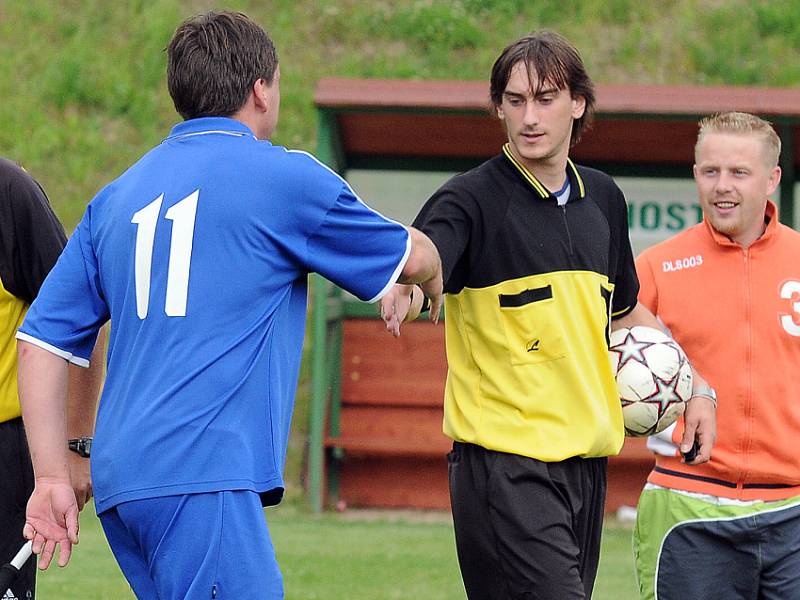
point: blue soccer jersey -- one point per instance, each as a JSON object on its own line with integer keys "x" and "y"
{"x": 199, "y": 256}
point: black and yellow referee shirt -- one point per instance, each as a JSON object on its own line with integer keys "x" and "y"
{"x": 31, "y": 239}
{"x": 530, "y": 288}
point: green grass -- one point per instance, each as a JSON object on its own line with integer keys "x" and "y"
{"x": 350, "y": 556}
{"x": 616, "y": 579}
{"x": 83, "y": 82}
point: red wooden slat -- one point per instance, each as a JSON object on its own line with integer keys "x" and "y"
{"x": 641, "y": 99}
{"x": 391, "y": 422}
{"x": 378, "y": 369}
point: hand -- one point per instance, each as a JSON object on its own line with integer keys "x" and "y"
{"x": 81, "y": 478}
{"x": 51, "y": 520}
{"x": 433, "y": 291}
{"x": 395, "y": 306}
{"x": 700, "y": 423}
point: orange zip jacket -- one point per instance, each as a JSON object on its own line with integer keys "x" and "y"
{"x": 736, "y": 313}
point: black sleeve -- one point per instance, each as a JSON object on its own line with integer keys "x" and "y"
{"x": 31, "y": 236}
{"x": 448, "y": 218}
{"x": 626, "y": 283}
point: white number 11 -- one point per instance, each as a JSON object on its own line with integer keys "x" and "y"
{"x": 182, "y": 214}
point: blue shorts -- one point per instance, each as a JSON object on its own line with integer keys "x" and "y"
{"x": 205, "y": 546}
{"x": 691, "y": 546}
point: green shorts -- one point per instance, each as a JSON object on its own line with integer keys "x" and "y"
{"x": 692, "y": 546}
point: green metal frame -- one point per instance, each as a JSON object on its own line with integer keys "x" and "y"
{"x": 325, "y": 402}
{"x": 326, "y": 326}
{"x": 319, "y": 393}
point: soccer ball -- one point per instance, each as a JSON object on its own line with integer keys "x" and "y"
{"x": 654, "y": 378}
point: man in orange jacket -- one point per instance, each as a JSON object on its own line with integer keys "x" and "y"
{"x": 728, "y": 289}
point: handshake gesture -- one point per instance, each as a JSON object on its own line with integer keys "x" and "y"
{"x": 419, "y": 287}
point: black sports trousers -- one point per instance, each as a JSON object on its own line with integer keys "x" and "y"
{"x": 526, "y": 529}
{"x": 17, "y": 484}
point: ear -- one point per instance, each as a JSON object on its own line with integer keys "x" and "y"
{"x": 499, "y": 110}
{"x": 578, "y": 107}
{"x": 259, "y": 91}
{"x": 774, "y": 180}
{"x": 694, "y": 171}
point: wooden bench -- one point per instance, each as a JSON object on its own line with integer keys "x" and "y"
{"x": 389, "y": 449}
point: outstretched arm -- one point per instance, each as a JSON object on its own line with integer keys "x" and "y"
{"x": 424, "y": 267}
{"x": 52, "y": 514}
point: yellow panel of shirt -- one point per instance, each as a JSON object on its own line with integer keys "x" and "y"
{"x": 533, "y": 379}
{"x": 12, "y": 313}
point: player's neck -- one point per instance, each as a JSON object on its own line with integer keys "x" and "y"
{"x": 751, "y": 236}
{"x": 551, "y": 173}
{"x": 250, "y": 116}
{"x": 251, "y": 123}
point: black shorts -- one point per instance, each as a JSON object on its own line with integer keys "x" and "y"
{"x": 17, "y": 473}
{"x": 526, "y": 529}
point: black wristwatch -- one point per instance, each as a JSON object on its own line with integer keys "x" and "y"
{"x": 82, "y": 446}
{"x": 426, "y": 302}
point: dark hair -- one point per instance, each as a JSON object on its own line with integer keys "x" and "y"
{"x": 213, "y": 61}
{"x": 555, "y": 62}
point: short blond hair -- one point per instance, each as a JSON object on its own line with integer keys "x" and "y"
{"x": 744, "y": 124}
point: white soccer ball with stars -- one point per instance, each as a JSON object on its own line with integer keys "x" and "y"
{"x": 654, "y": 378}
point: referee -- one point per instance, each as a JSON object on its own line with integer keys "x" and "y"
{"x": 537, "y": 266}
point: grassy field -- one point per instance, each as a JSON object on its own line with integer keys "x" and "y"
{"x": 349, "y": 556}
{"x": 83, "y": 82}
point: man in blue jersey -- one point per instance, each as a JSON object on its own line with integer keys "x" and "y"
{"x": 199, "y": 255}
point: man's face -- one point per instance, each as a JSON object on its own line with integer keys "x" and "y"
{"x": 539, "y": 126}
{"x": 733, "y": 182}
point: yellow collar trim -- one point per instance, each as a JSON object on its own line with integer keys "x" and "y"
{"x": 581, "y": 189}
{"x": 535, "y": 183}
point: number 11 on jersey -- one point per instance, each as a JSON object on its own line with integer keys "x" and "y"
{"x": 182, "y": 214}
